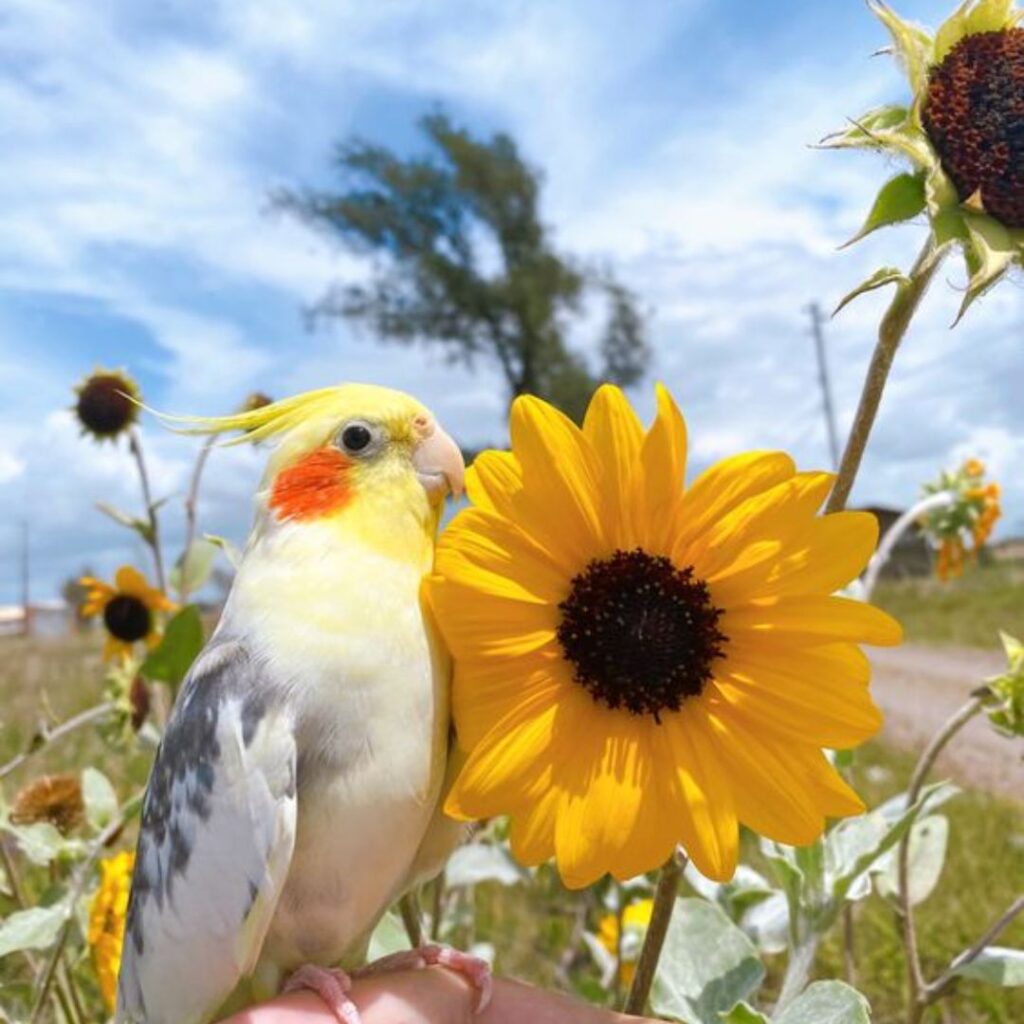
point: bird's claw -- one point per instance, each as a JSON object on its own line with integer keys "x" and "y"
{"x": 332, "y": 985}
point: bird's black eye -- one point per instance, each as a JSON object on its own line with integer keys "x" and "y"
{"x": 356, "y": 437}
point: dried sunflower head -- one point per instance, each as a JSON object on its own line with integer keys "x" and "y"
{"x": 107, "y": 404}
{"x": 963, "y": 134}
{"x": 53, "y": 798}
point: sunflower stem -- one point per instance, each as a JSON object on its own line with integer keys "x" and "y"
{"x": 52, "y": 735}
{"x": 191, "y": 503}
{"x": 153, "y": 537}
{"x": 890, "y": 333}
{"x": 798, "y": 970}
{"x": 919, "y": 990}
{"x": 654, "y": 940}
{"x": 412, "y": 918}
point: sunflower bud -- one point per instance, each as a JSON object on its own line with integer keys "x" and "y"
{"x": 963, "y": 134}
{"x": 107, "y": 404}
{"x": 53, "y": 798}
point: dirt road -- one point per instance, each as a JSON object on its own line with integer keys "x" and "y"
{"x": 918, "y": 688}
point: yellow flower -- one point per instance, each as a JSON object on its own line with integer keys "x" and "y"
{"x": 128, "y": 608}
{"x": 961, "y": 134}
{"x": 106, "y": 404}
{"x": 639, "y": 664}
{"x": 635, "y": 920}
{"x": 974, "y": 467}
{"x": 106, "y": 921}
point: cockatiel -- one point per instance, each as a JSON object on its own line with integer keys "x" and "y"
{"x": 296, "y": 793}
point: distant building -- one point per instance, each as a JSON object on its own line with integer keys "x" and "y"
{"x": 1009, "y": 550}
{"x": 46, "y": 618}
{"x": 912, "y": 556}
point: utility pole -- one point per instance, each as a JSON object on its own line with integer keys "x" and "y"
{"x": 26, "y": 596}
{"x": 818, "y": 332}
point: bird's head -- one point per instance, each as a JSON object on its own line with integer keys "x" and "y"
{"x": 355, "y": 455}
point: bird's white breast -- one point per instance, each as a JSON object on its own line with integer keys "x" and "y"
{"x": 343, "y": 630}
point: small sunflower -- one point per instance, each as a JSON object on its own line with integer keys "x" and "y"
{"x": 107, "y": 405}
{"x": 963, "y": 133}
{"x": 638, "y": 663}
{"x": 53, "y": 798}
{"x": 972, "y": 514}
{"x": 129, "y": 608}
{"x": 106, "y": 921}
{"x": 636, "y": 919}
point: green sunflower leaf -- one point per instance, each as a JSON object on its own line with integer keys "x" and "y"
{"x": 35, "y": 928}
{"x": 867, "y": 129}
{"x": 997, "y": 965}
{"x": 101, "y": 803}
{"x": 193, "y": 568}
{"x": 707, "y": 965}
{"x": 140, "y": 526}
{"x": 744, "y": 1013}
{"x": 911, "y": 44}
{"x": 182, "y": 641}
{"x": 880, "y": 278}
{"x": 900, "y": 199}
{"x": 827, "y": 1002}
{"x": 927, "y": 855}
{"x": 990, "y": 250}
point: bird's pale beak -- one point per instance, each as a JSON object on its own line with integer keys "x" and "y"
{"x": 437, "y": 460}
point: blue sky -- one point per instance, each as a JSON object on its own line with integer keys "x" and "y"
{"x": 141, "y": 142}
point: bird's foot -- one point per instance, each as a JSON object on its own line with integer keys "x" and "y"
{"x": 473, "y": 968}
{"x": 332, "y": 985}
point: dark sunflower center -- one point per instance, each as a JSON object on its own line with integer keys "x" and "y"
{"x": 127, "y": 618}
{"x": 640, "y": 632}
{"x": 103, "y": 407}
{"x": 974, "y": 115}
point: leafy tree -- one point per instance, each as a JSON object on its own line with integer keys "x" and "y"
{"x": 462, "y": 261}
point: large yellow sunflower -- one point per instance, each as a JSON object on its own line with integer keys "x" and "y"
{"x": 106, "y": 921}
{"x": 639, "y": 663}
{"x": 128, "y": 608}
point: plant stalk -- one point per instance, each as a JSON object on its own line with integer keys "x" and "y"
{"x": 798, "y": 970}
{"x": 918, "y": 988}
{"x": 135, "y": 444}
{"x": 412, "y": 918}
{"x": 890, "y": 333}
{"x": 654, "y": 940}
{"x": 191, "y": 502}
{"x": 73, "y": 723}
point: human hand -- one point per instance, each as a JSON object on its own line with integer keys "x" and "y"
{"x": 435, "y": 996}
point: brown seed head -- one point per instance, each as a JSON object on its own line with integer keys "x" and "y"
{"x": 105, "y": 408}
{"x": 974, "y": 115}
{"x": 53, "y": 798}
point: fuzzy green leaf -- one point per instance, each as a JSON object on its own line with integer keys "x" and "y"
{"x": 35, "y": 928}
{"x": 910, "y": 44}
{"x": 900, "y": 199}
{"x": 193, "y": 568}
{"x": 140, "y": 526}
{"x": 101, "y": 804}
{"x": 182, "y": 641}
{"x": 926, "y": 857}
{"x": 388, "y": 937}
{"x": 997, "y": 965}
{"x": 879, "y": 279}
{"x": 40, "y": 842}
{"x": 744, "y": 1013}
{"x": 827, "y": 1002}
{"x": 991, "y": 249}
{"x": 482, "y": 862}
{"x": 707, "y": 965}
{"x": 231, "y": 551}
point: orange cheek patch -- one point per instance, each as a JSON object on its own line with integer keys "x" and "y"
{"x": 315, "y": 486}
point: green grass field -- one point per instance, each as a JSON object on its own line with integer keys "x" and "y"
{"x": 969, "y": 611}
{"x": 984, "y": 871}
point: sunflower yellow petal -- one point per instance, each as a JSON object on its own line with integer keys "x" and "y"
{"x": 561, "y": 476}
{"x": 706, "y": 808}
{"x": 663, "y": 464}
{"x": 533, "y": 829}
{"x": 771, "y": 793}
{"x": 616, "y": 435}
{"x": 130, "y": 581}
{"x": 723, "y": 486}
{"x": 511, "y": 766}
{"x": 493, "y": 480}
{"x": 806, "y": 618}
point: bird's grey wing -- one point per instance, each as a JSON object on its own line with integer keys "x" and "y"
{"x": 216, "y": 839}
